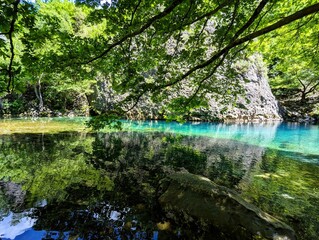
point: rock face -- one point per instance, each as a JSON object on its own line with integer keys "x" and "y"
{"x": 256, "y": 104}
{"x": 296, "y": 110}
{"x": 221, "y": 207}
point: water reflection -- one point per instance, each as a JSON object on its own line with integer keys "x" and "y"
{"x": 105, "y": 185}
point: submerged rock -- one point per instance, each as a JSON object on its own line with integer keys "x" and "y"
{"x": 200, "y": 198}
{"x": 14, "y": 193}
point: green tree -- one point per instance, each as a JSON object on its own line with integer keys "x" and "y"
{"x": 160, "y": 48}
{"x": 293, "y": 57}
{"x": 155, "y": 48}
{"x": 301, "y": 74}
{"x": 15, "y": 16}
{"x": 58, "y": 30}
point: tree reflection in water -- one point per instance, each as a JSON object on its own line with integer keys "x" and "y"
{"x": 105, "y": 185}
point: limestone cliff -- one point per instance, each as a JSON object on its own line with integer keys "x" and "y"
{"x": 256, "y": 104}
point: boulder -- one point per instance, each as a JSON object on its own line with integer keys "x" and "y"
{"x": 201, "y": 199}
{"x": 13, "y": 193}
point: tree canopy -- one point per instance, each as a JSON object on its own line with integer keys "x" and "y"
{"x": 152, "y": 48}
{"x": 293, "y": 57}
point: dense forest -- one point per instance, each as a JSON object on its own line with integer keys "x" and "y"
{"x": 177, "y": 55}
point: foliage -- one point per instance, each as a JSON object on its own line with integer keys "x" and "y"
{"x": 292, "y": 55}
{"x": 103, "y": 120}
{"x": 40, "y": 43}
{"x": 157, "y": 48}
{"x": 188, "y": 157}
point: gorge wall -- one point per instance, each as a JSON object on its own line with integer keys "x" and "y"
{"x": 256, "y": 104}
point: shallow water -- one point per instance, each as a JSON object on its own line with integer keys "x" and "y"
{"x": 292, "y": 137}
{"x": 81, "y": 185}
{"x": 289, "y": 137}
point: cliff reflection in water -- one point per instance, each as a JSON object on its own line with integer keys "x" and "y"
{"x": 104, "y": 185}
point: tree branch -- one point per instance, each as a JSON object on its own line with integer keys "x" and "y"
{"x": 313, "y": 88}
{"x": 303, "y": 85}
{"x": 210, "y": 13}
{"x": 206, "y": 15}
{"x": 134, "y": 11}
{"x": 149, "y": 23}
{"x": 232, "y": 20}
{"x": 178, "y": 40}
{"x": 131, "y": 23}
{"x": 10, "y": 34}
{"x": 251, "y": 20}
{"x": 204, "y": 79}
{"x": 284, "y": 21}
{"x": 223, "y": 52}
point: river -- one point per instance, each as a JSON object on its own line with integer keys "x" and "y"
{"x": 58, "y": 180}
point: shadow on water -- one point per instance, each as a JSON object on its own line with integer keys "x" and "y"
{"x": 105, "y": 185}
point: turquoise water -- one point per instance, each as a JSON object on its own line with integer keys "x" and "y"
{"x": 302, "y": 139}
{"x": 291, "y": 137}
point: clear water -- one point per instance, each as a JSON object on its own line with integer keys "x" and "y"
{"x": 59, "y": 181}
{"x": 291, "y": 137}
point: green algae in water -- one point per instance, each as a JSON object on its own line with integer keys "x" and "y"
{"x": 287, "y": 189}
{"x": 42, "y": 125}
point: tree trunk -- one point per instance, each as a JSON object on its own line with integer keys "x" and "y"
{"x": 38, "y": 94}
{"x": 40, "y": 97}
{"x": 303, "y": 96}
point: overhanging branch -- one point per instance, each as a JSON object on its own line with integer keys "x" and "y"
{"x": 284, "y": 21}
{"x": 251, "y": 20}
{"x": 210, "y": 13}
{"x": 164, "y": 13}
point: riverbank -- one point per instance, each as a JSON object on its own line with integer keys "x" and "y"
{"x": 298, "y": 111}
